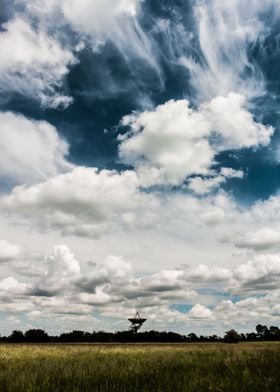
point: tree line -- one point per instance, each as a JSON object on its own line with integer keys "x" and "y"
{"x": 262, "y": 333}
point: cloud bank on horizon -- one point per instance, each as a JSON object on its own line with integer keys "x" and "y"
{"x": 139, "y": 164}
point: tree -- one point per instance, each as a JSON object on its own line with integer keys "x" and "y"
{"x": 231, "y": 336}
{"x": 214, "y": 338}
{"x": 36, "y": 336}
{"x": 16, "y": 337}
{"x": 74, "y": 336}
{"x": 274, "y": 332}
{"x": 251, "y": 336}
{"x": 262, "y": 331}
{"x": 192, "y": 337}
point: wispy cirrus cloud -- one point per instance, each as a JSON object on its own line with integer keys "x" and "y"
{"x": 33, "y": 64}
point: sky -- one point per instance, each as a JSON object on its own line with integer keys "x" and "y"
{"x": 139, "y": 164}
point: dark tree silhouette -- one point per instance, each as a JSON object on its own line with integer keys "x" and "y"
{"x": 274, "y": 332}
{"x": 262, "y": 330}
{"x": 36, "y": 336}
{"x": 231, "y": 336}
{"x": 16, "y": 337}
{"x": 192, "y": 337}
{"x": 264, "y": 333}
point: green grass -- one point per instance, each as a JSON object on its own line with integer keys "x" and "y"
{"x": 89, "y": 368}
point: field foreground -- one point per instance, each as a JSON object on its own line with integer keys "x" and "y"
{"x": 213, "y": 367}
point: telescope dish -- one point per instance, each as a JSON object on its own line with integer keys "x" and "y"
{"x": 136, "y": 322}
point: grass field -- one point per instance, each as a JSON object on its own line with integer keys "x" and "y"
{"x": 89, "y": 368}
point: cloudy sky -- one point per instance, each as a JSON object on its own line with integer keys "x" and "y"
{"x": 139, "y": 164}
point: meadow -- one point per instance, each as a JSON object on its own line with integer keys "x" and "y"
{"x": 183, "y": 367}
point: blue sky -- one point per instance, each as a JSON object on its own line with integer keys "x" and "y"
{"x": 139, "y": 164}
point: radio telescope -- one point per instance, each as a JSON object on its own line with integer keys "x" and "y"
{"x": 136, "y": 322}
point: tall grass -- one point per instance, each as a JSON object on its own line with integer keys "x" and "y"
{"x": 90, "y": 368}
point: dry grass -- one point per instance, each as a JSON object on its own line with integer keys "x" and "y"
{"x": 88, "y": 368}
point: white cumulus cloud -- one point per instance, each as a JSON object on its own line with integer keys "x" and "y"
{"x": 263, "y": 239}
{"x": 203, "y": 186}
{"x": 84, "y": 202}
{"x": 173, "y": 141}
{"x": 9, "y": 251}
{"x": 30, "y": 150}
{"x": 262, "y": 273}
{"x": 234, "y": 124}
{"x": 200, "y": 312}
